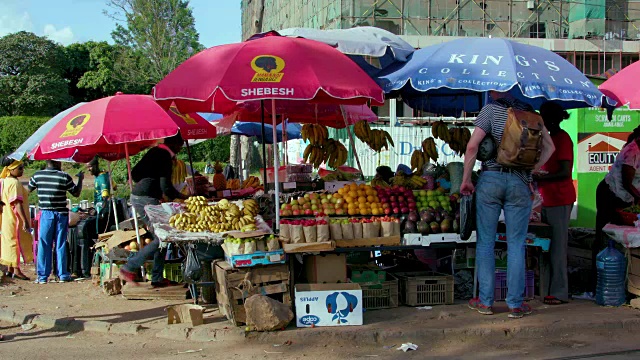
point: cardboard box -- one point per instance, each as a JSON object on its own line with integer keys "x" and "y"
{"x": 327, "y": 268}
{"x": 328, "y": 305}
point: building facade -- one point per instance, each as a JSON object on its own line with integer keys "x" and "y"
{"x": 595, "y": 35}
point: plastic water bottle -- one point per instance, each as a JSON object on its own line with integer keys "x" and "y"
{"x": 612, "y": 271}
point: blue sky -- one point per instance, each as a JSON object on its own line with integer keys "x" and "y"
{"x": 68, "y": 21}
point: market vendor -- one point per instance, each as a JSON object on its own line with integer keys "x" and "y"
{"x": 152, "y": 176}
{"x": 384, "y": 173}
{"x": 102, "y": 190}
{"x": 618, "y": 190}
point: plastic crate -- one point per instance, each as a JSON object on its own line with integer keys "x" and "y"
{"x": 426, "y": 288}
{"x": 500, "y": 292}
{"x": 104, "y": 271}
{"x": 257, "y": 258}
{"x": 381, "y": 296}
{"x": 367, "y": 275}
{"x": 172, "y": 271}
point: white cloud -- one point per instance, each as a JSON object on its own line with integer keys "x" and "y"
{"x": 11, "y": 22}
{"x": 64, "y": 36}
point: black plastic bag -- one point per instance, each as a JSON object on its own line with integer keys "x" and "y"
{"x": 467, "y": 216}
{"x": 192, "y": 270}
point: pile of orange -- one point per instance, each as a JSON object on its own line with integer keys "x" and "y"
{"x": 359, "y": 200}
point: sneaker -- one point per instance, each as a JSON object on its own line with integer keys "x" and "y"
{"x": 164, "y": 283}
{"x": 65, "y": 280}
{"x": 475, "y": 304}
{"x": 128, "y": 276}
{"x": 586, "y": 296}
{"x": 519, "y": 313}
{"x": 82, "y": 278}
{"x": 38, "y": 281}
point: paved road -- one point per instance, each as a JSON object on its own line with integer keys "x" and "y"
{"x": 46, "y": 344}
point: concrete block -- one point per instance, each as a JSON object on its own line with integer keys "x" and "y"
{"x": 96, "y": 326}
{"x": 202, "y": 334}
{"x": 175, "y": 332}
{"x": 49, "y": 322}
{"x": 125, "y": 329}
{"x": 7, "y": 315}
{"x": 23, "y": 317}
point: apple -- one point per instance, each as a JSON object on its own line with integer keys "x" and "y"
{"x": 294, "y": 202}
{"x": 314, "y": 206}
{"x": 307, "y": 197}
{"x": 396, "y": 210}
{"x": 296, "y": 212}
{"x": 329, "y": 197}
{"x": 283, "y": 206}
{"x": 387, "y": 210}
{"x": 401, "y": 199}
{"x": 313, "y": 196}
{"x": 308, "y": 212}
{"x": 386, "y": 205}
{"x": 340, "y": 211}
{"x": 324, "y": 201}
{"x": 295, "y": 207}
{"x": 334, "y": 200}
{"x": 286, "y": 212}
{"x": 289, "y": 207}
{"x": 306, "y": 206}
{"x": 331, "y": 211}
{"x": 392, "y": 198}
{"x": 301, "y": 201}
{"x": 314, "y": 202}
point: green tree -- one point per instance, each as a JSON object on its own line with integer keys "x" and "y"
{"x": 159, "y": 35}
{"x": 15, "y": 130}
{"x": 31, "y": 76}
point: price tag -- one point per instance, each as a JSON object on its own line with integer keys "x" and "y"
{"x": 289, "y": 185}
{"x": 274, "y": 258}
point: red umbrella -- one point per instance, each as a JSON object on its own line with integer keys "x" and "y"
{"x": 335, "y": 116}
{"x": 274, "y": 67}
{"x": 112, "y": 126}
{"x": 623, "y": 87}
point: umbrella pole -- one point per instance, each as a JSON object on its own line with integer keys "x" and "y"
{"x": 133, "y": 208}
{"x": 276, "y": 165}
{"x": 190, "y": 160}
{"x": 113, "y": 197}
{"x": 353, "y": 142}
{"x": 264, "y": 147}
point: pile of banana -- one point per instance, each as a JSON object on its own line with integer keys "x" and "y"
{"x": 252, "y": 181}
{"x": 459, "y": 139}
{"x": 331, "y": 152}
{"x": 375, "y": 138}
{"x": 316, "y": 134}
{"x": 224, "y": 216}
{"x": 379, "y": 182}
{"x": 233, "y": 184}
{"x": 410, "y": 181}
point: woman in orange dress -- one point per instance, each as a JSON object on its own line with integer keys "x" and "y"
{"x": 16, "y": 240}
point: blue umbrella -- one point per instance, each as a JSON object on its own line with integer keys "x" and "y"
{"x": 255, "y": 129}
{"x": 453, "y": 76}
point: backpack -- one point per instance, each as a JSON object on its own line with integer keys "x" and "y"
{"x": 521, "y": 143}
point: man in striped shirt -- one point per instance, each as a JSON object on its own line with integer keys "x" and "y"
{"x": 52, "y": 185}
{"x": 500, "y": 188}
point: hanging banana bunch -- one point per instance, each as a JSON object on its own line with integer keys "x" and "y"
{"x": 429, "y": 149}
{"x": 375, "y": 138}
{"x": 332, "y": 153}
{"x": 316, "y": 134}
{"x": 440, "y": 130}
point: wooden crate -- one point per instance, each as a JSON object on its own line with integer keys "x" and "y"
{"x": 234, "y": 286}
{"x": 379, "y": 241}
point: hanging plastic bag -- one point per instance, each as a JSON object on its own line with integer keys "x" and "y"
{"x": 192, "y": 270}
{"x": 467, "y": 216}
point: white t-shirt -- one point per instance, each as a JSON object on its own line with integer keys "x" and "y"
{"x": 630, "y": 155}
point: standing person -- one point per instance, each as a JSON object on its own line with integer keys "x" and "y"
{"x": 618, "y": 190}
{"x": 102, "y": 190}
{"x": 500, "y": 188}
{"x": 152, "y": 176}
{"x": 52, "y": 185}
{"x": 558, "y": 195}
{"x": 16, "y": 224}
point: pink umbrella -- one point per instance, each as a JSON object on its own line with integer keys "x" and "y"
{"x": 623, "y": 86}
{"x": 273, "y": 67}
{"x": 115, "y": 126}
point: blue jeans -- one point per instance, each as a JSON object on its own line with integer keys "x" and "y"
{"x": 498, "y": 191}
{"x": 153, "y": 248}
{"x": 54, "y": 227}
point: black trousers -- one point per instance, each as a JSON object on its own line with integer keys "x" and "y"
{"x": 606, "y": 204}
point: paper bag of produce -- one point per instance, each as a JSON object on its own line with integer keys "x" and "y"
{"x": 396, "y": 228}
{"x": 323, "y": 231}
{"x": 336, "y": 231}
{"x": 250, "y": 247}
{"x": 387, "y": 228}
{"x": 310, "y": 233}
{"x": 272, "y": 243}
{"x": 371, "y": 230}
{"x": 285, "y": 232}
{"x": 357, "y": 230}
{"x": 347, "y": 231}
{"x": 297, "y": 234}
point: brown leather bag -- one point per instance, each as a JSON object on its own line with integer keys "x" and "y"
{"x": 521, "y": 144}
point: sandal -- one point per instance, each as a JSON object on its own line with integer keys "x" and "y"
{"x": 552, "y": 300}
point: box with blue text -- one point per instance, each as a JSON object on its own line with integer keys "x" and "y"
{"x": 328, "y": 305}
